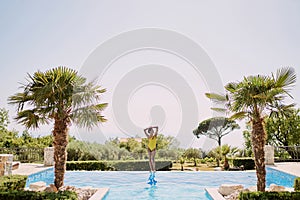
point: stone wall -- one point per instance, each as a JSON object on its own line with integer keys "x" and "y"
{"x": 269, "y": 155}
{"x": 6, "y": 164}
{"x": 49, "y": 156}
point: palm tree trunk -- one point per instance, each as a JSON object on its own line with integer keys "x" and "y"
{"x": 60, "y": 134}
{"x": 258, "y": 141}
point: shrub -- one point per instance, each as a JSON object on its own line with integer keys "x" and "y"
{"x": 269, "y": 195}
{"x": 87, "y": 165}
{"x": 140, "y": 165}
{"x": 85, "y": 151}
{"x": 30, "y": 195}
{"x": 297, "y": 184}
{"x": 13, "y": 182}
{"x": 209, "y": 160}
{"x": 79, "y": 150}
{"x": 248, "y": 163}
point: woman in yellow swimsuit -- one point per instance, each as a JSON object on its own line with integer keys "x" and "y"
{"x": 152, "y": 136}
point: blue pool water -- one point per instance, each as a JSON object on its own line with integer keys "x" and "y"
{"x": 171, "y": 185}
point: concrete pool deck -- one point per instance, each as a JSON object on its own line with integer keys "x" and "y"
{"x": 288, "y": 167}
{"x": 30, "y": 168}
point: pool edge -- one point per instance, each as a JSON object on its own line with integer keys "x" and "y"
{"x": 284, "y": 170}
{"x": 100, "y": 194}
{"x": 214, "y": 193}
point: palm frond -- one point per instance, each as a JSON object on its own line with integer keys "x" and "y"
{"x": 282, "y": 110}
{"x": 101, "y": 90}
{"x": 216, "y": 97}
{"x": 239, "y": 115}
{"x": 231, "y": 87}
{"x": 88, "y": 116}
{"x": 220, "y": 110}
{"x": 285, "y": 77}
{"x": 31, "y": 119}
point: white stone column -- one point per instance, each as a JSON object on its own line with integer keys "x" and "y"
{"x": 6, "y": 164}
{"x": 49, "y": 156}
{"x": 269, "y": 155}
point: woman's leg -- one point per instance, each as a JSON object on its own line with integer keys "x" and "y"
{"x": 153, "y": 160}
{"x": 150, "y": 160}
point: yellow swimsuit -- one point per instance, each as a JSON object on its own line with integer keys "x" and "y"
{"x": 152, "y": 143}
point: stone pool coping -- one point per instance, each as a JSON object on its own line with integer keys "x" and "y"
{"x": 287, "y": 167}
{"x": 214, "y": 193}
{"x": 30, "y": 168}
{"x": 100, "y": 194}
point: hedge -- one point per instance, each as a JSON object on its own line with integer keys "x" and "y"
{"x": 247, "y": 162}
{"x": 31, "y": 195}
{"x": 12, "y": 182}
{"x": 297, "y": 184}
{"x": 87, "y": 165}
{"x": 269, "y": 196}
{"x": 141, "y": 165}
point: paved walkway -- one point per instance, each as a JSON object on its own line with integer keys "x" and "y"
{"x": 29, "y": 168}
{"x": 288, "y": 167}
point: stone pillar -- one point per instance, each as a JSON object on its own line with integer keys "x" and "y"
{"x": 49, "y": 156}
{"x": 6, "y": 164}
{"x": 269, "y": 155}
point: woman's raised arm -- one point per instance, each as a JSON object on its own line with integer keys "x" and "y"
{"x": 156, "y": 130}
{"x": 145, "y": 131}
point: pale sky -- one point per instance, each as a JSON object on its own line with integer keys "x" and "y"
{"x": 239, "y": 38}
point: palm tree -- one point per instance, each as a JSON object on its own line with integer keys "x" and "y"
{"x": 254, "y": 98}
{"x": 62, "y": 96}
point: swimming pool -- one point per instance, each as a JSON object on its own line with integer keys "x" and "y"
{"x": 171, "y": 185}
